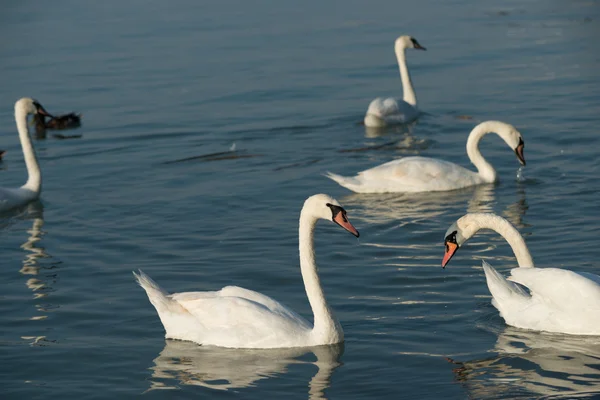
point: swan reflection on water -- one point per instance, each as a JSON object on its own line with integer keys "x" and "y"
{"x": 31, "y": 262}
{"x": 228, "y": 369}
{"x": 418, "y": 207}
{"x": 538, "y": 363}
{"x": 38, "y": 283}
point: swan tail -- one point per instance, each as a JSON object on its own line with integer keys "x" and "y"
{"x": 506, "y": 294}
{"x": 178, "y": 322}
{"x": 159, "y": 298}
{"x": 346, "y": 181}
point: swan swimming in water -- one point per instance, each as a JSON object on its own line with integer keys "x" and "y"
{"x": 241, "y": 318}
{"x": 424, "y": 174}
{"x": 383, "y": 112}
{"x": 559, "y": 300}
{"x": 15, "y": 197}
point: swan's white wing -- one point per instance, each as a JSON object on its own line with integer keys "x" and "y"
{"x": 561, "y": 301}
{"x": 382, "y": 108}
{"x": 566, "y": 290}
{"x": 413, "y": 174}
{"x": 237, "y": 317}
{"x": 392, "y": 110}
{"x": 236, "y": 292}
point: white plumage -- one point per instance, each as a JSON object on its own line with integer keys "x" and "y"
{"x": 16, "y": 197}
{"x": 423, "y": 174}
{"x": 557, "y": 300}
{"x": 241, "y": 318}
{"x": 390, "y": 111}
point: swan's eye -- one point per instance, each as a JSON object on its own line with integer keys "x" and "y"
{"x": 451, "y": 238}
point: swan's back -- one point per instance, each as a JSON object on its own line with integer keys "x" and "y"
{"x": 558, "y": 301}
{"x": 231, "y": 317}
{"x": 411, "y": 174}
{"x": 239, "y": 318}
{"x": 12, "y": 198}
{"x": 389, "y": 111}
{"x": 236, "y": 292}
{"x": 567, "y": 290}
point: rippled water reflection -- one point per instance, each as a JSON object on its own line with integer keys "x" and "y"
{"x": 534, "y": 364}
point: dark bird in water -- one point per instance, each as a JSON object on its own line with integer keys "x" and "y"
{"x": 60, "y": 122}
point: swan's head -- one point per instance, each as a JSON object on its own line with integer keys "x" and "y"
{"x": 511, "y": 136}
{"x": 464, "y": 228}
{"x": 458, "y": 233}
{"x": 28, "y": 105}
{"x": 326, "y": 207}
{"x": 452, "y": 242}
{"x": 407, "y": 42}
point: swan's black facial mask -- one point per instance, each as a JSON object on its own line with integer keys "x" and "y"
{"x": 338, "y": 215}
{"x": 416, "y": 44}
{"x": 519, "y": 151}
{"x": 451, "y": 247}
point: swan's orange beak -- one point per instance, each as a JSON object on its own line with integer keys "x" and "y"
{"x": 519, "y": 152}
{"x": 342, "y": 221}
{"x": 450, "y": 250}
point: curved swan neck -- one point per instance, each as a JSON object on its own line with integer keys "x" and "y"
{"x": 34, "y": 180}
{"x": 506, "y": 230}
{"x": 325, "y": 323}
{"x": 485, "y": 169}
{"x": 407, "y": 88}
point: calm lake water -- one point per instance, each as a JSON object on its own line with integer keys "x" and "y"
{"x": 286, "y": 86}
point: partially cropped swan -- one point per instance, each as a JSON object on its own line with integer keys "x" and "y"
{"x": 559, "y": 300}
{"x": 390, "y": 111}
{"x": 11, "y": 198}
{"x": 241, "y": 318}
{"x": 423, "y": 174}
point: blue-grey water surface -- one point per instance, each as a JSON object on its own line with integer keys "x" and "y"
{"x": 286, "y": 85}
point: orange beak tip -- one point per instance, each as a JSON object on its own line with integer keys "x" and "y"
{"x": 451, "y": 249}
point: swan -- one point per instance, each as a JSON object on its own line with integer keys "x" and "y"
{"x": 423, "y": 174}
{"x": 390, "y": 111}
{"x": 240, "y": 318}
{"x": 11, "y": 198}
{"x": 559, "y": 300}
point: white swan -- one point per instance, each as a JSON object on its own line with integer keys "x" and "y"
{"x": 240, "y": 318}
{"x": 423, "y": 174}
{"x": 559, "y": 300}
{"x": 11, "y": 198}
{"x": 390, "y": 111}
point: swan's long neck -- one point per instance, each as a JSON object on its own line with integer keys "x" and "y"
{"x": 507, "y": 231}
{"x": 407, "y": 88}
{"x": 34, "y": 180}
{"x": 485, "y": 169}
{"x": 326, "y": 326}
